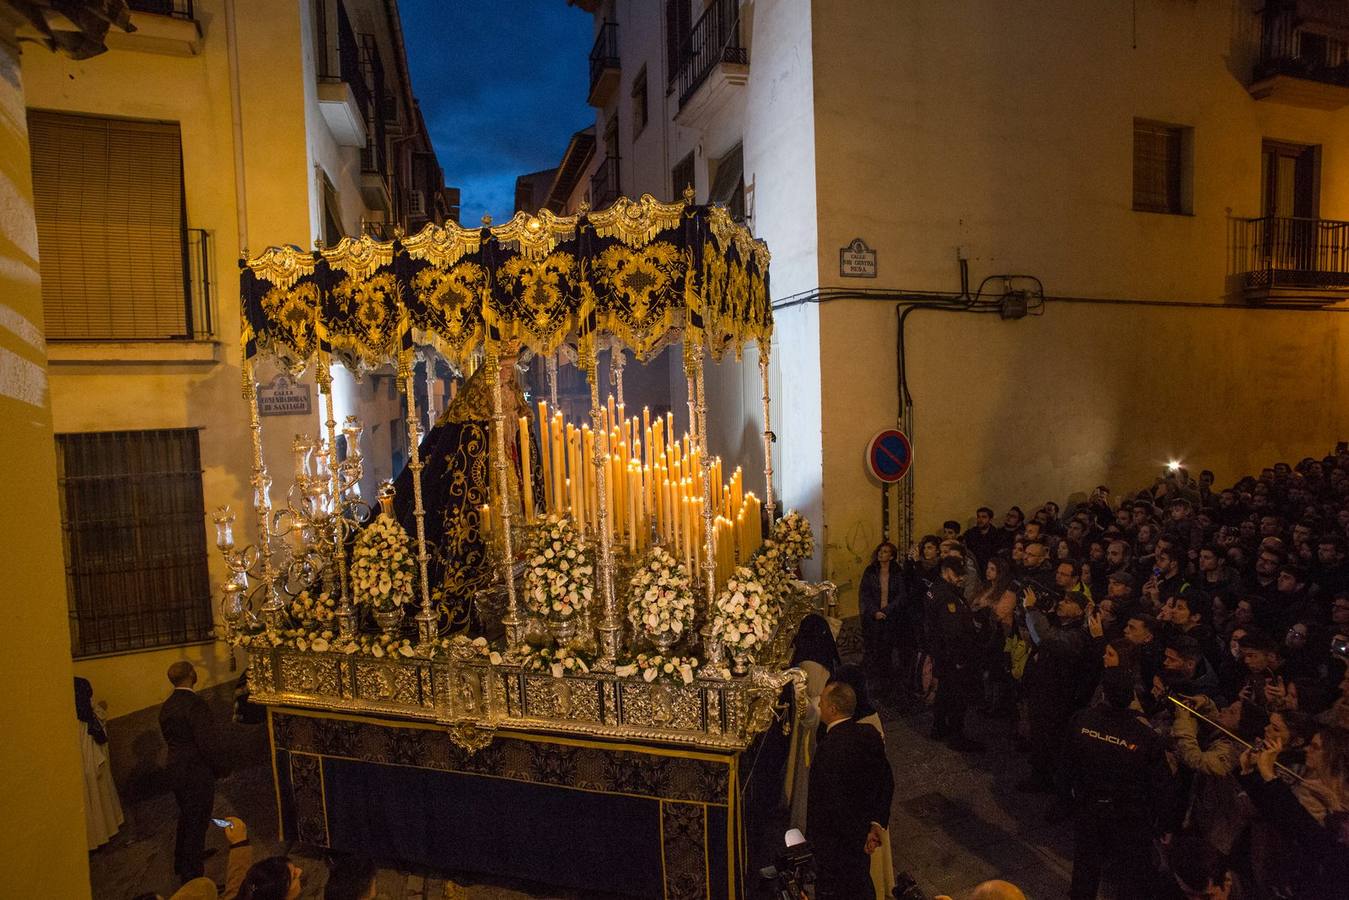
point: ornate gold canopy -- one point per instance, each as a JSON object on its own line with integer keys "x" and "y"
{"x": 638, "y": 270}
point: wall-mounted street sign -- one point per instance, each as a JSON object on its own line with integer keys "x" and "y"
{"x": 857, "y": 260}
{"x": 889, "y": 455}
{"x": 284, "y": 396}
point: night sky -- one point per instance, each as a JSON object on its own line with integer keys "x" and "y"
{"x": 502, "y": 86}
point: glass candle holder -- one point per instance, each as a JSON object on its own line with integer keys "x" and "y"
{"x": 224, "y": 528}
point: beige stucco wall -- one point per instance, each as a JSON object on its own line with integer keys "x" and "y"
{"x": 278, "y": 125}
{"x": 1006, "y": 137}
{"x": 43, "y": 854}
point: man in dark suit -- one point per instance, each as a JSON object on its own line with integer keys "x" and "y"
{"x": 185, "y": 722}
{"x": 848, "y": 802}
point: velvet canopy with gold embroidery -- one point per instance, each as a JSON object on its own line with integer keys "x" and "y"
{"x": 639, "y": 270}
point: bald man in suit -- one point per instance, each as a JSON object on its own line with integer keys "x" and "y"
{"x": 848, "y": 800}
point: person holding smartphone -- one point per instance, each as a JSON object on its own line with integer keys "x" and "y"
{"x": 185, "y": 722}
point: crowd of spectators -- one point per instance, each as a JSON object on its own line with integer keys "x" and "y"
{"x": 1173, "y": 664}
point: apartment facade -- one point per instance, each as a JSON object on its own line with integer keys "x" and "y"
{"x": 215, "y": 128}
{"x": 1150, "y": 200}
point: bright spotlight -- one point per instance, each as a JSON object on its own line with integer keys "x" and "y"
{"x": 1174, "y": 465}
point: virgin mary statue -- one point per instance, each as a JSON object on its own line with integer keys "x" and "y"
{"x": 459, "y": 478}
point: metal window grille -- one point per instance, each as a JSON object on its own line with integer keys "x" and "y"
{"x": 132, "y": 516}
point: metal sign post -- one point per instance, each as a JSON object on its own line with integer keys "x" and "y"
{"x": 889, "y": 456}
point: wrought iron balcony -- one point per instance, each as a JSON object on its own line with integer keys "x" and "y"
{"x": 1291, "y": 260}
{"x": 604, "y": 65}
{"x": 1303, "y": 58}
{"x": 604, "y": 184}
{"x": 713, "y": 40}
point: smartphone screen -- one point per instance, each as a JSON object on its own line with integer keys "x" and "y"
{"x": 223, "y": 823}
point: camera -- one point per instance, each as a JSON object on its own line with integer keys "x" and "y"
{"x": 794, "y": 871}
{"x": 1340, "y": 647}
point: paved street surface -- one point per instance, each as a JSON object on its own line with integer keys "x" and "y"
{"x": 956, "y": 821}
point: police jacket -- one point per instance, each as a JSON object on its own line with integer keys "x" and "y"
{"x": 1116, "y": 758}
{"x": 955, "y": 637}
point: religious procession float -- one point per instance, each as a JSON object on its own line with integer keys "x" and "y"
{"x": 550, "y": 648}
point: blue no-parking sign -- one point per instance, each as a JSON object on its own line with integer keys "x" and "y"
{"x": 889, "y": 455}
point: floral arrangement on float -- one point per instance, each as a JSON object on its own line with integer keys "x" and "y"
{"x": 656, "y": 666}
{"x": 559, "y": 577}
{"x": 557, "y": 661}
{"x": 743, "y": 618}
{"x": 661, "y": 603}
{"x": 312, "y": 611}
{"x": 382, "y": 567}
{"x": 772, "y": 568}
{"x": 793, "y": 534}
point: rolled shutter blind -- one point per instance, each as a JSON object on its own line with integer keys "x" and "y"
{"x": 108, "y": 198}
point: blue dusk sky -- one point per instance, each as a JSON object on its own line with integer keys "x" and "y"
{"x": 502, "y": 86}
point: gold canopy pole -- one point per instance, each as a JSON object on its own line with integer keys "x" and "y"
{"x": 691, "y": 390}
{"x": 767, "y": 431}
{"x": 610, "y": 628}
{"x": 346, "y": 619}
{"x": 273, "y": 608}
{"x": 426, "y": 619}
{"x": 514, "y": 627}
{"x": 429, "y": 360}
{"x": 617, "y": 360}
{"x": 705, "y": 460}
{"x": 552, "y": 382}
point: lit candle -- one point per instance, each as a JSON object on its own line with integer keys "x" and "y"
{"x": 544, "y": 460}
{"x": 526, "y": 476}
{"x": 485, "y": 522}
{"x": 588, "y": 451}
{"x": 634, "y": 517}
{"x": 646, "y": 433}
{"x": 574, "y": 466}
{"x": 559, "y": 463}
{"x": 684, "y": 518}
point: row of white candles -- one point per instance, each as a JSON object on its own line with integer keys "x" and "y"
{"x": 655, "y": 484}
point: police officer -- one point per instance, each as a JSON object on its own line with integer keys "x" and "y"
{"x": 1119, "y": 775}
{"x": 955, "y": 651}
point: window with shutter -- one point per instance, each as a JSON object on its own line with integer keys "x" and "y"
{"x": 108, "y": 199}
{"x": 1161, "y": 167}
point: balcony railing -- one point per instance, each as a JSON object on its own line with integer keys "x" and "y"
{"x": 178, "y": 9}
{"x": 200, "y": 289}
{"x": 343, "y": 61}
{"x": 604, "y": 55}
{"x": 374, "y": 154}
{"x": 604, "y": 184}
{"x": 1273, "y": 252}
{"x": 714, "y": 39}
{"x": 1288, "y": 47}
